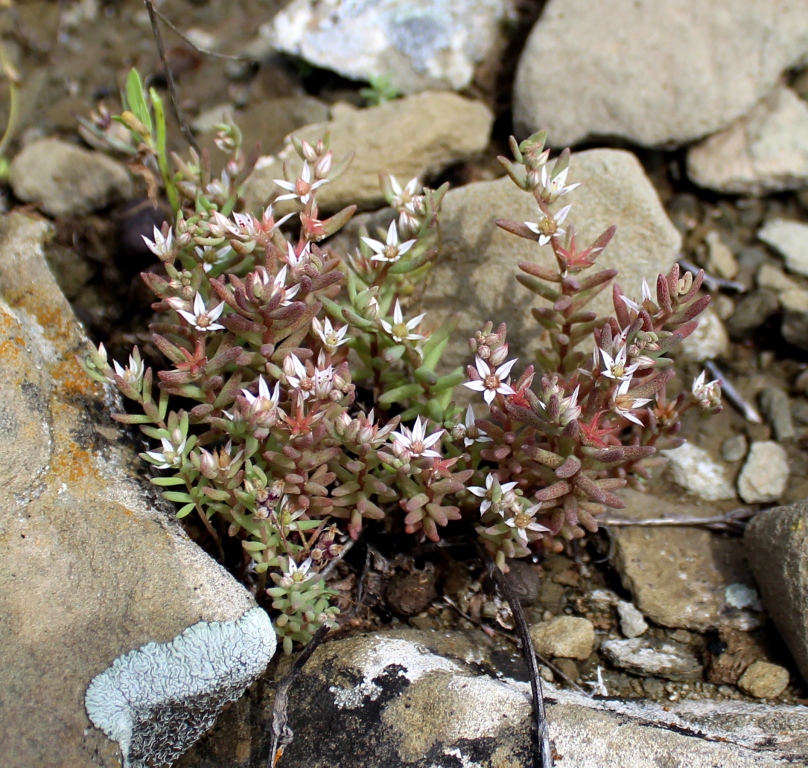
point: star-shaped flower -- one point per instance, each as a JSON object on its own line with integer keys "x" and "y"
{"x": 549, "y": 227}
{"x": 202, "y": 318}
{"x": 491, "y": 382}
{"x": 391, "y": 250}
{"x": 411, "y": 443}
{"x": 301, "y": 188}
{"x": 494, "y": 493}
{"x": 161, "y": 247}
{"x": 331, "y": 337}
{"x": 169, "y": 458}
{"x": 401, "y": 331}
{"x": 623, "y": 403}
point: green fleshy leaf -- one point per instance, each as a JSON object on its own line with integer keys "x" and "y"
{"x": 166, "y": 481}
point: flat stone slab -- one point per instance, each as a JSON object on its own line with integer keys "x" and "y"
{"x": 678, "y": 576}
{"x": 92, "y": 565}
{"x": 427, "y": 699}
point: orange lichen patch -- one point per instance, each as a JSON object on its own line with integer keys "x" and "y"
{"x": 58, "y": 323}
{"x": 12, "y": 346}
{"x": 70, "y": 463}
{"x": 72, "y": 382}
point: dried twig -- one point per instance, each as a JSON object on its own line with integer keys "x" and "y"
{"x": 510, "y": 637}
{"x": 732, "y": 520}
{"x": 747, "y": 410}
{"x": 193, "y": 45}
{"x": 542, "y": 731}
{"x": 282, "y": 734}
{"x": 158, "y": 39}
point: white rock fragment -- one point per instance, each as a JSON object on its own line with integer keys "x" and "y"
{"x": 632, "y": 622}
{"x": 790, "y": 240}
{"x": 765, "y": 151}
{"x": 157, "y": 700}
{"x": 417, "y": 45}
{"x": 709, "y": 341}
{"x": 695, "y": 470}
{"x": 764, "y": 476}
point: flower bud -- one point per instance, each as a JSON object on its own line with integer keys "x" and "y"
{"x": 323, "y": 166}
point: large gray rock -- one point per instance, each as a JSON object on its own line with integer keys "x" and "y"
{"x": 655, "y": 73}
{"x": 679, "y": 577}
{"x": 776, "y": 543}
{"x": 476, "y": 274}
{"x": 92, "y": 566}
{"x": 648, "y": 657}
{"x": 790, "y": 240}
{"x": 416, "y": 136}
{"x": 428, "y": 699}
{"x": 65, "y": 180}
{"x": 419, "y": 46}
{"x": 764, "y": 151}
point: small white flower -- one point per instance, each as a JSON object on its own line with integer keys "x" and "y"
{"x": 413, "y": 442}
{"x": 134, "y": 372}
{"x": 493, "y": 493}
{"x": 302, "y": 570}
{"x": 331, "y": 337}
{"x": 391, "y": 250}
{"x": 263, "y": 400}
{"x": 554, "y": 188}
{"x": 521, "y": 523}
{"x": 278, "y": 284}
{"x": 212, "y": 257}
{"x": 403, "y": 197}
{"x": 301, "y": 188}
{"x": 401, "y": 331}
{"x": 549, "y": 227}
{"x": 161, "y": 246}
{"x": 646, "y": 296}
{"x": 473, "y": 434}
{"x": 615, "y": 367}
{"x": 169, "y": 458}
{"x": 706, "y": 395}
{"x": 203, "y": 319}
{"x": 491, "y": 382}
{"x": 624, "y": 404}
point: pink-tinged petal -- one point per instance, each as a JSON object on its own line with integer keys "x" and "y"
{"x": 374, "y": 245}
{"x": 283, "y": 184}
{"x": 432, "y": 439}
{"x": 562, "y": 214}
{"x": 290, "y": 196}
{"x": 216, "y": 312}
{"x": 477, "y": 386}
{"x": 431, "y": 454}
{"x": 405, "y": 246}
{"x": 482, "y": 367}
{"x": 190, "y": 317}
{"x": 504, "y": 370}
{"x": 477, "y": 491}
{"x": 505, "y": 389}
{"x": 489, "y": 396}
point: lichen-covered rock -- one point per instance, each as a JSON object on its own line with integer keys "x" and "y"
{"x": 157, "y": 700}
{"x": 428, "y": 699}
{"x": 694, "y": 469}
{"x": 476, "y": 274}
{"x": 764, "y": 151}
{"x": 65, "y": 180}
{"x": 655, "y": 73}
{"x": 92, "y": 565}
{"x": 416, "y": 136}
{"x": 419, "y": 46}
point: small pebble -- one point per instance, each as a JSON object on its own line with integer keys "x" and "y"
{"x": 734, "y": 448}
{"x": 777, "y": 409}
{"x": 764, "y": 680}
{"x": 569, "y": 668}
{"x": 653, "y": 658}
{"x": 764, "y": 476}
{"x": 566, "y": 637}
{"x": 695, "y": 470}
{"x": 632, "y": 623}
{"x": 720, "y": 259}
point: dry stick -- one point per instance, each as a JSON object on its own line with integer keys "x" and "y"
{"x": 193, "y": 45}
{"x": 542, "y": 730}
{"x": 510, "y": 637}
{"x": 282, "y": 734}
{"x": 158, "y": 39}
{"x": 727, "y": 520}
{"x": 736, "y": 398}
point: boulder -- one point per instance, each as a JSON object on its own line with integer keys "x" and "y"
{"x": 657, "y": 74}
{"x": 92, "y": 564}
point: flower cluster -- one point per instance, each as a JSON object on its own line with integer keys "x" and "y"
{"x": 303, "y": 395}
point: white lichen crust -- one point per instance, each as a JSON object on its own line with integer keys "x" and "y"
{"x": 157, "y": 700}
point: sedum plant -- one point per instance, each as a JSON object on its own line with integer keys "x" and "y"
{"x": 303, "y": 395}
